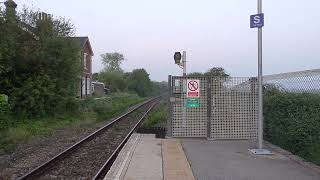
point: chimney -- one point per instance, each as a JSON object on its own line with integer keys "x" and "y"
{"x": 10, "y": 7}
{"x": 44, "y": 16}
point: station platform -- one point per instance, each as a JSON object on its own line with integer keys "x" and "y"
{"x": 145, "y": 157}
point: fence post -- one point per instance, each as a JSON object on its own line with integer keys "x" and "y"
{"x": 169, "y": 120}
{"x": 253, "y": 101}
{"x": 209, "y": 97}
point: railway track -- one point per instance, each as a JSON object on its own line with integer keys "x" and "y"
{"x": 92, "y": 157}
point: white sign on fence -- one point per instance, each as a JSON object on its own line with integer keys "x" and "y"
{"x": 193, "y": 88}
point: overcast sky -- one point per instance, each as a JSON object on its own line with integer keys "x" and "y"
{"x": 213, "y": 32}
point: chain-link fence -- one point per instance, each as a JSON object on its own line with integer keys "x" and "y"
{"x": 295, "y": 82}
{"x": 292, "y": 112}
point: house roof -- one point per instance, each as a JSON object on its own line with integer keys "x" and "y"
{"x": 81, "y": 42}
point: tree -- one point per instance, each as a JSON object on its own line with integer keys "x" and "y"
{"x": 113, "y": 80}
{"x": 112, "y": 61}
{"x": 195, "y": 74}
{"x": 95, "y": 76}
{"x": 217, "y": 72}
{"x": 39, "y": 69}
{"x": 159, "y": 88}
{"x": 214, "y": 72}
{"x": 139, "y": 82}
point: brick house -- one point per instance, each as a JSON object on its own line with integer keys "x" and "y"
{"x": 86, "y": 55}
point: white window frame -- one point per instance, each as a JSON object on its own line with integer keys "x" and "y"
{"x": 88, "y": 86}
{"x": 83, "y": 92}
{"x": 85, "y": 60}
{"x": 92, "y": 87}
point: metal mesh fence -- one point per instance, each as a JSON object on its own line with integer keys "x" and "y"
{"x": 234, "y": 108}
{"x": 189, "y": 122}
{"x": 227, "y": 109}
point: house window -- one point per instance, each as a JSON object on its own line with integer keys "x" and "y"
{"x": 83, "y": 86}
{"x": 88, "y": 86}
{"x": 92, "y": 87}
{"x": 85, "y": 60}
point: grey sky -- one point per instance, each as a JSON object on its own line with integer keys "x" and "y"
{"x": 214, "y": 33}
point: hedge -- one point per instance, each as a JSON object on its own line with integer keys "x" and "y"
{"x": 292, "y": 121}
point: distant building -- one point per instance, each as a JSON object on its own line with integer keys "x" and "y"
{"x": 86, "y": 55}
{"x": 98, "y": 88}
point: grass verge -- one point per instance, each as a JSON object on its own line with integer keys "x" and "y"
{"x": 91, "y": 111}
{"x": 157, "y": 117}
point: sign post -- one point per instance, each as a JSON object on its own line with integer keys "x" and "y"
{"x": 257, "y": 21}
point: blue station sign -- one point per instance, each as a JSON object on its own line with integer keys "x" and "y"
{"x": 257, "y": 21}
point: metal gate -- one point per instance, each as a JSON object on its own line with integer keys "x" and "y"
{"x": 228, "y": 108}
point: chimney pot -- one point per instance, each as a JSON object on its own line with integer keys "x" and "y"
{"x": 10, "y": 4}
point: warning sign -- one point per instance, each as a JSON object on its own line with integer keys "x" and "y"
{"x": 193, "y": 88}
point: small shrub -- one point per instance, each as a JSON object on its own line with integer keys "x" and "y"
{"x": 157, "y": 118}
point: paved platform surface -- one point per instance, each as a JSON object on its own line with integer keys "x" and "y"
{"x": 146, "y": 158}
{"x": 231, "y": 160}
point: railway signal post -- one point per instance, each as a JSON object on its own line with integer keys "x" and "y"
{"x": 177, "y": 59}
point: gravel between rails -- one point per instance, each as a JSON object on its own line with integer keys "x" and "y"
{"x": 86, "y": 161}
{"x": 30, "y": 155}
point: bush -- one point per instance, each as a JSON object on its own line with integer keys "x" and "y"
{"x": 40, "y": 75}
{"x": 157, "y": 118}
{"x": 3, "y": 104}
{"x": 292, "y": 121}
{"x": 4, "y": 112}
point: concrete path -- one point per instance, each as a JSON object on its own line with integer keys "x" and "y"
{"x": 146, "y": 158}
{"x": 231, "y": 160}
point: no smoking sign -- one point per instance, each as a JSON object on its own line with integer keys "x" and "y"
{"x": 193, "y": 88}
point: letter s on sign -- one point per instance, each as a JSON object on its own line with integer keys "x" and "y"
{"x": 256, "y": 19}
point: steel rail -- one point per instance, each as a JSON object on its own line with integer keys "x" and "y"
{"x": 47, "y": 164}
{"x": 107, "y": 165}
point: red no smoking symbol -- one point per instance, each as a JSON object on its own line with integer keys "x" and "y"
{"x": 193, "y": 85}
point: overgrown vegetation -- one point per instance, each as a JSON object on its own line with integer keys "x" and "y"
{"x": 292, "y": 121}
{"x": 90, "y": 112}
{"x": 157, "y": 117}
{"x": 39, "y": 68}
{"x": 214, "y": 72}
{"x": 137, "y": 81}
